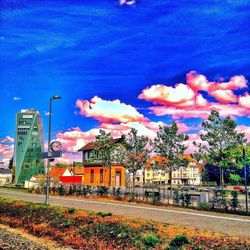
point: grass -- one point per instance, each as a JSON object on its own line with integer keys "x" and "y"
{"x": 89, "y": 230}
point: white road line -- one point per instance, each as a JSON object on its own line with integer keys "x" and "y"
{"x": 140, "y": 207}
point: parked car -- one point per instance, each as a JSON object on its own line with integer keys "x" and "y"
{"x": 238, "y": 188}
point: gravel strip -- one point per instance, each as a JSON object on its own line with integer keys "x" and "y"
{"x": 10, "y": 240}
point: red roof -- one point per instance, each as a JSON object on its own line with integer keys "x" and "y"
{"x": 92, "y": 145}
{"x": 57, "y": 172}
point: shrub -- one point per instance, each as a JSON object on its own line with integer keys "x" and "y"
{"x": 182, "y": 199}
{"x": 102, "y": 190}
{"x": 61, "y": 190}
{"x": 72, "y": 210}
{"x": 118, "y": 194}
{"x": 156, "y": 197}
{"x": 176, "y": 197}
{"x": 204, "y": 206}
{"x": 187, "y": 199}
{"x": 104, "y": 214}
{"x": 234, "y": 200}
{"x": 179, "y": 241}
{"x": 150, "y": 240}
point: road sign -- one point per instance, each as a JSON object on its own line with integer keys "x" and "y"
{"x": 51, "y": 154}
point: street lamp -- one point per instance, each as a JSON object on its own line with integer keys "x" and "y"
{"x": 55, "y": 97}
{"x": 245, "y": 176}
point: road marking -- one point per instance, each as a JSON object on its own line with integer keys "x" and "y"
{"x": 138, "y": 207}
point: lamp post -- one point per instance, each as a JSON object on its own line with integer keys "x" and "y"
{"x": 245, "y": 176}
{"x": 55, "y": 97}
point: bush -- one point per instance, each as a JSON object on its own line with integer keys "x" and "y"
{"x": 72, "y": 210}
{"x": 86, "y": 190}
{"x": 179, "y": 241}
{"x": 187, "y": 199}
{"x": 102, "y": 190}
{"x": 234, "y": 200}
{"x": 61, "y": 190}
{"x": 150, "y": 240}
{"x": 176, "y": 197}
{"x": 204, "y": 206}
{"x": 117, "y": 193}
{"x": 156, "y": 197}
{"x": 104, "y": 214}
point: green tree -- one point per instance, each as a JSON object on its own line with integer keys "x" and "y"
{"x": 235, "y": 179}
{"x": 219, "y": 136}
{"x": 170, "y": 145}
{"x": 136, "y": 152}
{"x": 104, "y": 151}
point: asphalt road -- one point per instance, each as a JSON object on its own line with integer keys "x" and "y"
{"x": 217, "y": 222}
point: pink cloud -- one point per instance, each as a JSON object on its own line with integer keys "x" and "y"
{"x": 6, "y": 151}
{"x": 224, "y": 96}
{"x": 197, "y": 81}
{"x": 231, "y": 110}
{"x": 74, "y": 139}
{"x": 245, "y": 101}
{"x": 7, "y": 139}
{"x": 186, "y": 101}
{"x": 180, "y": 95}
{"x": 109, "y": 111}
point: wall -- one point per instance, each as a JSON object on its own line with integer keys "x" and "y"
{"x": 106, "y": 175}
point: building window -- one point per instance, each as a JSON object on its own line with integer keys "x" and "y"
{"x": 92, "y": 175}
{"x": 101, "y": 175}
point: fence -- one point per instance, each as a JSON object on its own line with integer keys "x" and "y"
{"x": 216, "y": 200}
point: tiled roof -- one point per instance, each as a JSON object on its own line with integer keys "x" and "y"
{"x": 57, "y": 172}
{"x": 91, "y": 145}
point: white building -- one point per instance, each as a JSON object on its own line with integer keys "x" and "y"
{"x": 5, "y": 176}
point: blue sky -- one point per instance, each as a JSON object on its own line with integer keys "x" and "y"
{"x": 82, "y": 49}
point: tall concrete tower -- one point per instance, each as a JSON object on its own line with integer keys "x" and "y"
{"x": 28, "y": 145}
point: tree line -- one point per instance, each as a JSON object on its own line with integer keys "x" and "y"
{"x": 220, "y": 149}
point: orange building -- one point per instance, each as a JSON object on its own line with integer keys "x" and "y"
{"x": 95, "y": 174}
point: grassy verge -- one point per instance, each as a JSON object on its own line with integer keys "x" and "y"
{"x": 88, "y": 230}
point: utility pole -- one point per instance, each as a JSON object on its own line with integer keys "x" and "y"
{"x": 245, "y": 176}
{"x": 49, "y": 149}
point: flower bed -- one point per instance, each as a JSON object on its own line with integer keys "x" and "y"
{"x": 88, "y": 230}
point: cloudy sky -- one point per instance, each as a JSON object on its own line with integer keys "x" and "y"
{"x": 123, "y": 64}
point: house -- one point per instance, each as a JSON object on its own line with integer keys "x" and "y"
{"x": 96, "y": 174}
{"x": 5, "y": 176}
{"x": 35, "y": 181}
{"x": 139, "y": 178}
{"x": 156, "y": 177}
{"x": 79, "y": 171}
{"x": 184, "y": 175}
{"x": 154, "y": 173}
{"x": 76, "y": 176}
{"x": 56, "y": 172}
{"x": 63, "y": 175}
{"x": 188, "y": 175}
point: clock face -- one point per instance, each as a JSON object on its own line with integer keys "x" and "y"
{"x": 56, "y": 146}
